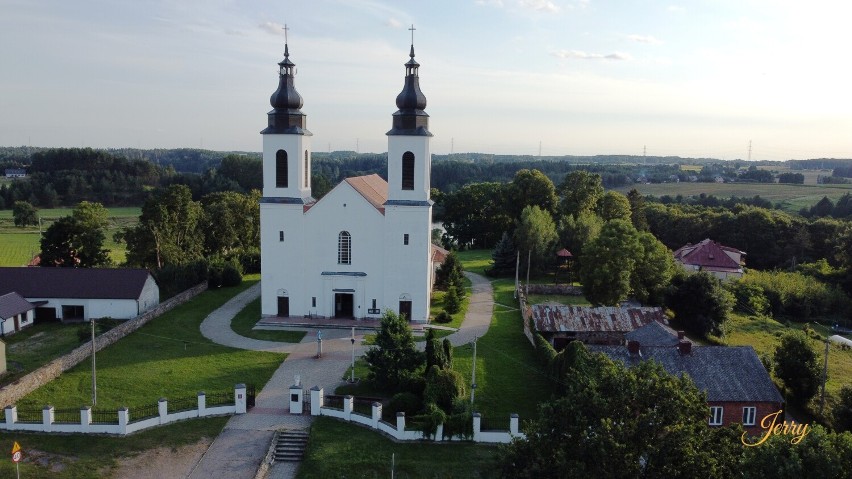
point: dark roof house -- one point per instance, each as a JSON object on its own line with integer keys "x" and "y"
{"x": 560, "y": 323}
{"x": 708, "y": 255}
{"x": 82, "y": 283}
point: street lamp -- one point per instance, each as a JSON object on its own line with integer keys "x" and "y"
{"x": 352, "y": 376}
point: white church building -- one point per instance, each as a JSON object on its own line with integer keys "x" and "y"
{"x": 365, "y": 247}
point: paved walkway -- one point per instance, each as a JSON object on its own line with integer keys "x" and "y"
{"x": 243, "y": 444}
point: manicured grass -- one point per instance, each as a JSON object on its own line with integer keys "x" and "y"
{"x": 558, "y": 298}
{"x": 476, "y": 260}
{"x": 55, "y": 213}
{"x": 245, "y": 320}
{"x": 338, "y": 449}
{"x": 93, "y": 456}
{"x": 438, "y": 305}
{"x": 36, "y": 346}
{"x": 168, "y": 358}
{"x": 18, "y": 248}
{"x": 763, "y": 334}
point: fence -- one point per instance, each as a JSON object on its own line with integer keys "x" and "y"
{"x": 319, "y": 407}
{"x": 125, "y": 420}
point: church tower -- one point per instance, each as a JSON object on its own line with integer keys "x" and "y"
{"x": 286, "y": 142}
{"x": 408, "y": 209}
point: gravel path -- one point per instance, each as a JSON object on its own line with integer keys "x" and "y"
{"x": 243, "y": 444}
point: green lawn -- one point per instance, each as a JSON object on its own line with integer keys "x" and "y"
{"x": 438, "y": 305}
{"x": 76, "y": 456}
{"x": 558, "y": 298}
{"x": 338, "y": 449}
{"x": 36, "y": 346}
{"x": 168, "y": 358}
{"x": 18, "y": 248}
{"x": 245, "y": 320}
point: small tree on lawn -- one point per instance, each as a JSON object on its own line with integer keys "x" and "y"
{"x": 843, "y": 410}
{"x": 394, "y": 360}
{"x": 24, "y": 214}
{"x": 503, "y": 257}
{"x": 797, "y": 365}
{"x": 452, "y": 302}
{"x": 700, "y": 302}
{"x": 451, "y": 268}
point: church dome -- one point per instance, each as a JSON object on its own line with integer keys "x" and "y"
{"x": 286, "y": 116}
{"x": 411, "y": 98}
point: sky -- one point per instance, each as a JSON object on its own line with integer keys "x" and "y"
{"x": 551, "y": 77}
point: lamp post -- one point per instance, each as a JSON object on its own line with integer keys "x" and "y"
{"x": 94, "y": 377}
{"x": 352, "y": 376}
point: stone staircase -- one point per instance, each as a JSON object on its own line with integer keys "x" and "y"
{"x": 290, "y": 445}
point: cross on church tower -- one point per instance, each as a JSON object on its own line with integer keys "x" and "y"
{"x": 285, "y": 33}
{"x": 412, "y": 33}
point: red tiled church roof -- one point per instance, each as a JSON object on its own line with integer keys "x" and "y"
{"x": 373, "y": 188}
{"x": 708, "y": 254}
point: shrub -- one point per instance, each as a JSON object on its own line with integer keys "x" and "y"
{"x": 175, "y": 278}
{"x": 443, "y": 317}
{"x": 443, "y": 386}
{"x": 406, "y": 402}
{"x": 797, "y": 295}
{"x": 544, "y": 351}
{"x": 750, "y": 298}
{"x": 452, "y": 302}
{"x": 843, "y": 410}
{"x": 231, "y": 275}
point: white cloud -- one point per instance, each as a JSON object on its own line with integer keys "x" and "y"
{"x": 393, "y": 23}
{"x": 272, "y": 28}
{"x": 539, "y": 5}
{"x": 490, "y": 3}
{"x": 581, "y": 55}
{"x": 644, "y": 39}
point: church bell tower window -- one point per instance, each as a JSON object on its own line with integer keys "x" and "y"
{"x": 408, "y": 170}
{"x": 281, "y": 169}
{"x": 344, "y": 248}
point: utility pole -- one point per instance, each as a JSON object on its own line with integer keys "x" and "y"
{"x": 473, "y": 375}
{"x": 749, "y": 150}
{"x": 824, "y": 376}
{"x": 452, "y": 145}
{"x": 517, "y": 267}
{"x": 94, "y": 377}
{"x": 529, "y": 263}
{"x": 357, "y": 145}
{"x": 644, "y": 154}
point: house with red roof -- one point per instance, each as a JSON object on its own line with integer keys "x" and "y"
{"x": 721, "y": 261}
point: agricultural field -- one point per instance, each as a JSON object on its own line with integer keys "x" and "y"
{"x": 19, "y": 245}
{"x": 792, "y": 198}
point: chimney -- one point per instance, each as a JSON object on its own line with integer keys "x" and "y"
{"x": 681, "y": 335}
{"x": 633, "y": 347}
{"x": 685, "y": 347}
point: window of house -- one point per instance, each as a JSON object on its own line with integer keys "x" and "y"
{"x": 307, "y": 170}
{"x": 716, "y": 415}
{"x": 748, "y": 416}
{"x": 313, "y": 301}
{"x": 374, "y": 303}
{"x": 408, "y": 170}
{"x": 344, "y": 248}
{"x": 72, "y": 312}
{"x": 281, "y": 169}
{"x": 280, "y": 236}
{"x": 405, "y": 239}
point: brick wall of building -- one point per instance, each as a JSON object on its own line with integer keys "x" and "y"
{"x": 732, "y": 413}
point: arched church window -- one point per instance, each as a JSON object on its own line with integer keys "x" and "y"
{"x": 281, "y": 169}
{"x": 307, "y": 170}
{"x": 408, "y": 170}
{"x": 344, "y": 248}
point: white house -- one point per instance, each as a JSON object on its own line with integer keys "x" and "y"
{"x": 16, "y": 313}
{"x": 365, "y": 247}
{"x": 79, "y": 294}
{"x": 719, "y": 260}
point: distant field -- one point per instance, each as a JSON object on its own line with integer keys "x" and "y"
{"x": 19, "y": 245}
{"x": 791, "y": 197}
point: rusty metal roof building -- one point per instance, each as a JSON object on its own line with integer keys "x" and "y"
{"x": 554, "y": 317}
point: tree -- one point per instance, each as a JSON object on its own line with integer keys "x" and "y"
{"x": 24, "y": 214}
{"x": 653, "y": 270}
{"x": 616, "y": 422}
{"x": 699, "y": 302}
{"x": 797, "y": 366}
{"x": 608, "y": 261}
{"x": 503, "y": 258}
{"x": 169, "y": 230}
{"x": 614, "y": 205}
{"x": 450, "y": 271}
{"x": 452, "y": 301}
{"x": 842, "y": 412}
{"x": 794, "y": 178}
{"x": 536, "y": 233}
{"x": 477, "y": 214}
{"x": 637, "y": 210}
{"x": 823, "y": 208}
{"x": 580, "y": 191}
{"x": 231, "y": 222}
{"x": 578, "y": 231}
{"x": 393, "y": 360}
{"x": 531, "y": 188}
{"x": 77, "y": 241}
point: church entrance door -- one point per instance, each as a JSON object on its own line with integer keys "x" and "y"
{"x": 405, "y": 309}
{"x": 283, "y": 306}
{"x": 343, "y": 305}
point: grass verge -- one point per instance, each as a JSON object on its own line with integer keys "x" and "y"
{"x": 245, "y": 320}
{"x": 36, "y": 346}
{"x": 338, "y": 449}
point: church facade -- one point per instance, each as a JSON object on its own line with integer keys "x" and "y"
{"x": 365, "y": 247}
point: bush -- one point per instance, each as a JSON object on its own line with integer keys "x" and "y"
{"x": 797, "y": 295}
{"x": 406, "y": 402}
{"x": 175, "y": 278}
{"x": 843, "y": 410}
{"x": 231, "y": 275}
{"x": 443, "y": 386}
{"x": 544, "y": 351}
{"x": 750, "y": 298}
{"x": 249, "y": 261}
{"x": 443, "y": 317}
{"x": 452, "y": 302}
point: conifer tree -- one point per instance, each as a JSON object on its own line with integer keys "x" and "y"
{"x": 503, "y": 257}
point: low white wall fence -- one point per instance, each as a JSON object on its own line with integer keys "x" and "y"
{"x": 125, "y": 421}
{"x": 398, "y": 431}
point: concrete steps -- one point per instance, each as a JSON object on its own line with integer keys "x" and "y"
{"x": 290, "y": 445}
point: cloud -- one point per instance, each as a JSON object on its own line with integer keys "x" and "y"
{"x": 490, "y": 3}
{"x": 580, "y": 55}
{"x": 393, "y": 23}
{"x": 272, "y": 28}
{"x": 539, "y": 5}
{"x": 644, "y": 39}
{"x": 237, "y": 33}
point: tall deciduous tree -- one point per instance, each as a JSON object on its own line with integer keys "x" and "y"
{"x": 580, "y": 191}
{"x": 77, "y": 240}
{"x": 797, "y": 366}
{"x": 614, "y": 206}
{"x": 536, "y": 233}
{"x": 477, "y": 214}
{"x": 393, "y": 360}
{"x": 653, "y": 270}
{"x": 531, "y": 188}
{"x": 637, "y": 210}
{"x": 24, "y": 214}
{"x": 231, "y": 222}
{"x": 578, "y": 231}
{"x": 608, "y": 263}
{"x": 700, "y": 302}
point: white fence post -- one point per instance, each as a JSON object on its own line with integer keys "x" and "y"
{"x": 240, "y": 398}
{"x": 400, "y": 423}
{"x": 317, "y": 399}
{"x": 477, "y": 426}
{"x": 11, "y": 414}
{"x": 47, "y": 418}
{"x": 347, "y": 407}
{"x": 163, "y": 409}
{"x": 202, "y": 403}
{"x": 123, "y": 419}
{"x": 513, "y": 424}
{"x": 86, "y": 417}
{"x": 439, "y": 432}
{"x": 377, "y": 414}
{"x": 297, "y": 399}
